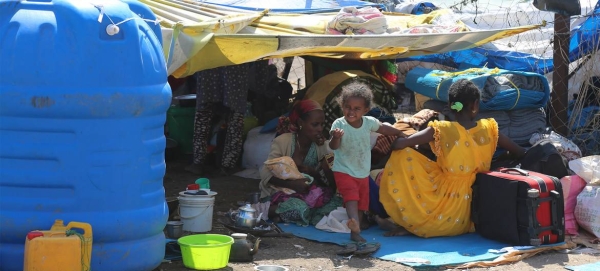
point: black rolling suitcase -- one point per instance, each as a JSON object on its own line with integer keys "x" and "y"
{"x": 518, "y": 207}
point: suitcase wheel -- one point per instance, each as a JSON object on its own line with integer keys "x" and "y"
{"x": 535, "y": 241}
{"x": 533, "y": 193}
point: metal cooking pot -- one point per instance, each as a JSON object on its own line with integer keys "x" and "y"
{"x": 246, "y": 217}
{"x": 188, "y": 100}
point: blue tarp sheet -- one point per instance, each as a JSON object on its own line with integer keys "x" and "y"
{"x": 584, "y": 40}
{"x": 292, "y": 6}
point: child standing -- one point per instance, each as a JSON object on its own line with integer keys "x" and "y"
{"x": 352, "y": 151}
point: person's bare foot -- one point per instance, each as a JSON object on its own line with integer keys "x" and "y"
{"x": 398, "y": 231}
{"x": 364, "y": 223}
{"x": 385, "y": 224}
{"x": 354, "y": 227}
{"x": 393, "y": 229}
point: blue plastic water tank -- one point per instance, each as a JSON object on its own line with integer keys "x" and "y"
{"x": 81, "y": 129}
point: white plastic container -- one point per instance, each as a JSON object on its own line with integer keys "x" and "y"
{"x": 196, "y": 213}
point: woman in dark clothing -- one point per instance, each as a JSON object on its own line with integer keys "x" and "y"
{"x": 228, "y": 86}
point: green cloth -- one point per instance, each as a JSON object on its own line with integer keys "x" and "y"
{"x": 295, "y": 210}
{"x": 318, "y": 213}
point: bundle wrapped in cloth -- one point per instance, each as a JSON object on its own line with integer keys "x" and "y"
{"x": 500, "y": 89}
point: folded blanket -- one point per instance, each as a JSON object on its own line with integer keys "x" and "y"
{"x": 418, "y": 120}
{"x": 518, "y": 125}
{"x": 501, "y": 117}
{"x": 383, "y": 145}
{"x": 350, "y": 20}
{"x": 497, "y": 84}
{"x": 524, "y": 123}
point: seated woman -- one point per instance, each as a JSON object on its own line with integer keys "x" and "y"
{"x": 303, "y": 198}
{"x": 433, "y": 198}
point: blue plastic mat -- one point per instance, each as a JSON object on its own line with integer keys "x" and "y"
{"x": 585, "y": 267}
{"x": 412, "y": 250}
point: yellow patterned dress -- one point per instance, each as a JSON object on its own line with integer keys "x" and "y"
{"x": 430, "y": 198}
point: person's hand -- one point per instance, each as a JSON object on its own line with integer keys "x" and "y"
{"x": 337, "y": 133}
{"x": 300, "y": 186}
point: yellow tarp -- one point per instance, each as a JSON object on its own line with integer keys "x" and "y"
{"x": 199, "y": 36}
{"x": 322, "y": 88}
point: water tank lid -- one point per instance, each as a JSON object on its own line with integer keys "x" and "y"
{"x": 34, "y": 234}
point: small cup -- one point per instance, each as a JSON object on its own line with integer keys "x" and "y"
{"x": 253, "y": 198}
{"x": 174, "y": 229}
{"x": 204, "y": 183}
{"x": 193, "y": 187}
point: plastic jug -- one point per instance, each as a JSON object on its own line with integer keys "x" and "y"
{"x": 60, "y": 248}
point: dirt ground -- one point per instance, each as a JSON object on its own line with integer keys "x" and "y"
{"x": 282, "y": 250}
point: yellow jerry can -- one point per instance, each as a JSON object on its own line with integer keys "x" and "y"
{"x": 61, "y": 248}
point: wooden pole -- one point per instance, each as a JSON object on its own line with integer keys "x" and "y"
{"x": 559, "y": 97}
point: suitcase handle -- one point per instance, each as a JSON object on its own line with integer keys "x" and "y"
{"x": 517, "y": 170}
{"x": 556, "y": 223}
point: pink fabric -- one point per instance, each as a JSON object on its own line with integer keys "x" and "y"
{"x": 572, "y": 186}
{"x": 314, "y": 199}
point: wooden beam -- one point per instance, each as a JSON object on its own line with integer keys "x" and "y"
{"x": 559, "y": 97}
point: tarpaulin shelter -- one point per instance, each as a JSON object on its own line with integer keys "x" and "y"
{"x": 199, "y": 36}
{"x": 584, "y": 40}
{"x": 291, "y": 6}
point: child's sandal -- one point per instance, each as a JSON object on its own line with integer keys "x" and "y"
{"x": 367, "y": 248}
{"x": 349, "y": 248}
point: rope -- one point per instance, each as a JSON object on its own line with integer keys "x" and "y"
{"x": 102, "y": 14}
{"x": 84, "y": 266}
{"x": 518, "y": 93}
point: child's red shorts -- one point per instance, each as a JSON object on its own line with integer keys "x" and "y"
{"x": 353, "y": 188}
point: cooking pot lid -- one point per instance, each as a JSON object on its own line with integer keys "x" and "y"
{"x": 247, "y": 208}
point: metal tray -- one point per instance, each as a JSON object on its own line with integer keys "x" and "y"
{"x": 229, "y": 224}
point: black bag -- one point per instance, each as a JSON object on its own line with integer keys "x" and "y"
{"x": 544, "y": 158}
{"x": 518, "y": 207}
{"x": 564, "y": 7}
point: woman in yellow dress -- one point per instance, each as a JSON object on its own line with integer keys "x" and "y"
{"x": 433, "y": 198}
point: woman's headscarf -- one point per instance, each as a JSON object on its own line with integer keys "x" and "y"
{"x": 290, "y": 124}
